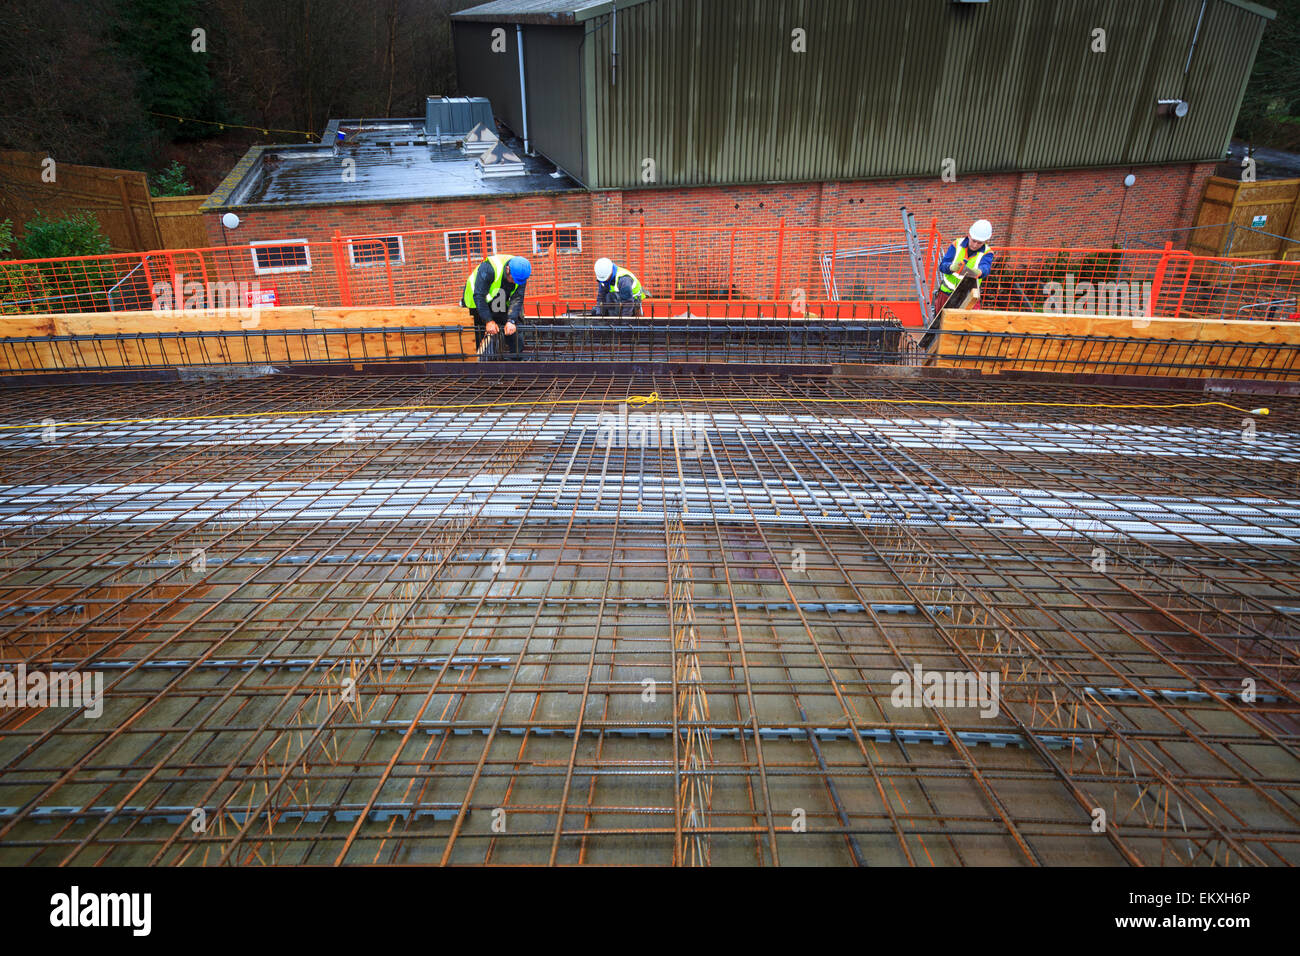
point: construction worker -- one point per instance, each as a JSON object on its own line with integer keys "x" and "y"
{"x": 970, "y": 257}
{"x": 494, "y": 292}
{"x": 618, "y": 292}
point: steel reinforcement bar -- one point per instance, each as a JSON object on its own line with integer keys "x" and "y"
{"x": 759, "y": 620}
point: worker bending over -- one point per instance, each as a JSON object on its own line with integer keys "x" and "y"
{"x": 494, "y": 295}
{"x": 618, "y": 292}
{"x": 970, "y": 257}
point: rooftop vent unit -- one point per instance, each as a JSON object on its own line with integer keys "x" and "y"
{"x": 451, "y": 117}
{"x": 480, "y": 139}
{"x": 499, "y": 161}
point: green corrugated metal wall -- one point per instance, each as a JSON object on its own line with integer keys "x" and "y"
{"x": 553, "y": 63}
{"x": 553, "y": 57}
{"x": 712, "y": 92}
{"x": 494, "y": 75}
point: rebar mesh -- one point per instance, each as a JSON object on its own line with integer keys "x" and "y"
{"x": 554, "y": 632}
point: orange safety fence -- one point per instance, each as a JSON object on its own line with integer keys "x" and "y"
{"x": 1142, "y": 282}
{"x": 772, "y": 270}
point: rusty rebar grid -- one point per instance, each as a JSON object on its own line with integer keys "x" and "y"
{"x": 427, "y": 635}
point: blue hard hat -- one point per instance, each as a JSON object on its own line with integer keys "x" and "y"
{"x": 520, "y": 270}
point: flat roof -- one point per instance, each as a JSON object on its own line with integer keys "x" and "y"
{"x": 557, "y": 12}
{"x": 317, "y": 175}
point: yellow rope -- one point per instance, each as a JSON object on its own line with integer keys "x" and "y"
{"x": 638, "y": 401}
{"x": 654, "y": 397}
{"x": 265, "y": 130}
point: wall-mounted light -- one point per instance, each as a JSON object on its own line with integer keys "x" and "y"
{"x": 1175, "y": 108}
{"x": 228, "y": 221}
{"x": 1130, "y": 179}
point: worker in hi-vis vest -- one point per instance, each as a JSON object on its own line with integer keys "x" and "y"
{"x": 494, "y": 295}
{"x": 618, "y": 292}
{"x": 970, "y": 257}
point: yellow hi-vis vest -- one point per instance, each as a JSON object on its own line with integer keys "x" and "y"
{"x": 499, "y": 264}
{"x": 638, "y": 293}
{"x": 948, "y": 282}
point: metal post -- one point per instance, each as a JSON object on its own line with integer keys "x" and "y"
{"x": 731, "y": 265}
{"x": 340, "y": 268}
{"x": 555, "y": 263}
{"x": 780, "y": 251}
{"x": 523, "y": 89}
{"x": 1159, "y": 278}
{"x": 674, "y": 263}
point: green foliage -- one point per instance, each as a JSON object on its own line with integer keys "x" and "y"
{"x": 173, "y": 77}
{"x": 1100, "y": 266}
{"x": 1056, "y": 267}
{"x": 170, "y": 182}
{"x": 77, "y": 234}
{"x": 67, "y": 88}
{"x": 1270, "y": 110}
{"x": 76, "y": 286}
{"x": 12, "y": 278}
{"x": 19, "y": 286}
{"x": 1007, "y": 285}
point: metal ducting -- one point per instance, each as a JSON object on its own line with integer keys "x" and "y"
{"x": 454, "y": 116}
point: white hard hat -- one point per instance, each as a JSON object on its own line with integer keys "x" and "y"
{"x": 604, "y": 269}
{"x": 981, "y": 230}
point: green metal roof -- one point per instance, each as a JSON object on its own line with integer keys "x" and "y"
{"x": 576, "y": 11}
{"x": 1255, "y": 8}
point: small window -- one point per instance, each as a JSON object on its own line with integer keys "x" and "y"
{"x": 376, "y": 250}
{"x": 290, "y": 255}
{"x": 566, "y": 237}
{"x": 466, "y": 245}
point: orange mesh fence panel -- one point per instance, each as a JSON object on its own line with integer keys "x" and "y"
{"x": 74, "y": 284}
{"x": 1167, "y": 282}
{"x": 769, "y": 271}
{"x": 773, "y": 265}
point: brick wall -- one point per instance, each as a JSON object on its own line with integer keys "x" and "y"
{"x": 1073, "y": 208}
{"x": 1078, "y": 207}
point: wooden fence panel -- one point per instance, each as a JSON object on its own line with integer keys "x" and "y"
{"x": 119, "y": 198}
{"x": 180, "y": 226}
{"x": 1227, "y": 202}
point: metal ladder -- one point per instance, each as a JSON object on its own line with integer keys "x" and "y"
{"x": 918, "y": 269}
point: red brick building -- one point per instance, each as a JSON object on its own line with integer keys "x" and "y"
{"x": 1087, "y": 207}
{"x": 614, "y": 126}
